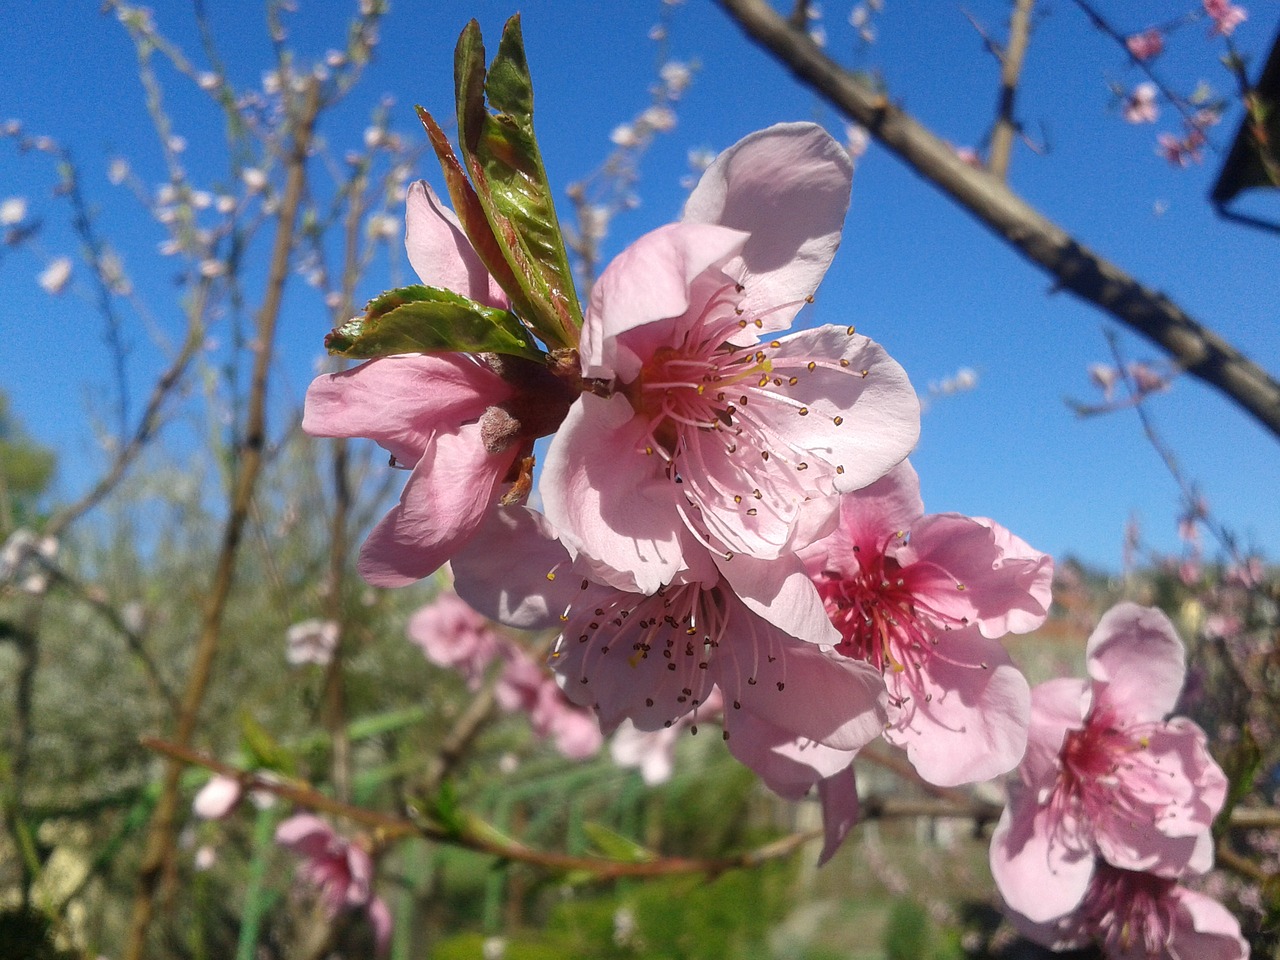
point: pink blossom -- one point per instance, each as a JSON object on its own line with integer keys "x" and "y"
{"x": 524, "y": 685}
{"x": 1146, "y": 45}
{"x": 924, "y": 600}
{"x": 431, "y": 413}
{"x": 217, "y": 798}
{"x": 1226, "y": 17}
{"x": 653, "y": 659}
{"x": 1140, "y": 916}
{"x": 1181, "y": 152}
{"x": 454, "y": 636}
{"x": 699, "y": 423}
{"x": 311, "y": 641}
{"x": 1140, "y": 105}
{"x": 1106, "y": 778}
{"x": 340, "y": 869}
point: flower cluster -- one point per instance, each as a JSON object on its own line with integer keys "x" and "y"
{"x": 452, "y": 635}
{"x": 1113, "y": 805}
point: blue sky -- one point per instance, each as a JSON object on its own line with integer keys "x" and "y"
{"x": 914, "y": 272}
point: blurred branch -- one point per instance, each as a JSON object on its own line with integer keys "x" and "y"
{"x": 147, "y": 425}
{"x": 479, "y": 837}
{"x": 1011, "y": 57}
{"x": 164, "y": 821}
{"x": 1073, "y": 267}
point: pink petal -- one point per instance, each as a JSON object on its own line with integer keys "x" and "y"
{"x": 840, "y": 809}
{"x": 307, "y": 835}
{"x": 455, "y": 482}
{"x": 608, "y": 499}
{"x": 515, "y": 571}
{"x": 781, "y": 592}
{"x": 788, "y": 186}
{"x": 400, "y": 401}
{"x": 1038, "y": 878}
{"x": 968, "y": 717}
{"x": 789, "y": 765}
{"x": 878, "y": 408}
{"x": 217, "y": 798}
{"x": 1057, "y": 707}
{"x": 380, "y": 919}
{"x": 1137, "y": 662}
{"x": 603, "y": 670}
{"x": 956, "y": 565}
{"x": 871, "y": 516}
{"x": 649, "y": 281}
{"x": 1204, "y": 929}
{"x": 440, "y": 253}
{"x": 797, "y": 686}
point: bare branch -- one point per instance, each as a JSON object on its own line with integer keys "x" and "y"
{"x": 1073, "y": 267}
{"x": 1007, "y": 126}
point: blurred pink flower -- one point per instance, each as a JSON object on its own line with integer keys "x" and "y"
{"x": 1145, "y": 45}
{"x": 341, "y": 870}
{"x": 924, "y": 600}
{"x": 1181, "y": 152}
{"x": 526, "y": 686}
{"x": 1106, "y": 778}
{"x": 1140, "y": 916}
{"x": 454, "y": 636}
{"x": 705, "y": 425}
{"x": 1226, "y": 17}
{"x": 217, "y": 798}
{"x": 1140, "y": 105}
{"x": 311, "y": 641}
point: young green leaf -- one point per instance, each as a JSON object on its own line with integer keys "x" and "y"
{"x": 420, "y": 319}
{"x": 502, "y": 157}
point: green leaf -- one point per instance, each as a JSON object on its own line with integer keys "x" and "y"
{"x": 421, "y": 319}
{"x": 501, "y": 154}
{"x": 264, "y": 750}
{"x": 614, "y": 845}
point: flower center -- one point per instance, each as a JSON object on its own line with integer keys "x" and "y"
{"x": 876, "y": 613}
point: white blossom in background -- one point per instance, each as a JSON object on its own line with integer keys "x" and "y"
{"x": 12, "y": 210}
{"x": 208, "y": 81}
{"x": 624, "y": 135}
{"x": 224, "y": 204}
{"x": 212, "y": 267}
{"x": 177, "y": 143}
{"x": 254, "y": 179}
{"x": 856, "y": 139}
{"x": 383, "y": 226}
{"x": 111, "y": 268}
{"x": 24, "y": 560}
{"x": 311, "y": 641}
{"x": 53, "y": 278}
{"x": 117, "y": 171}
{"x": 659, "y": 118}
{"x": 676, "y": 77}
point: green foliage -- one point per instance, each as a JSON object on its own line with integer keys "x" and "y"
{"x": 26, "y": 468}
{"x": 418, "y": 319}
{"x": 501, "y": 155}
{"x": 27, "y": 935}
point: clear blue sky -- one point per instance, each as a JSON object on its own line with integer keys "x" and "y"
{"x": 914, "y": 272}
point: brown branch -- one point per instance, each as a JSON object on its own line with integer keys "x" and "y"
{"x": 480, "y": 838}
{"x": 1006, "y": 128}
{"x": 164, "y": 820}
{"x": 1073, "y": 267}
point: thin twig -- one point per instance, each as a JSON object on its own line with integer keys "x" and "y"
{"x": 1007, "y": 126}
{"x": 1072, "y": 266}
{"x": 482, "y": 839}
{"x": 164, "y": 820}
